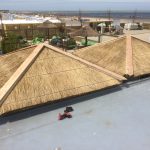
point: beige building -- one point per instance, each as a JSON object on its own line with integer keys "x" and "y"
{"x": 30, "y": 28}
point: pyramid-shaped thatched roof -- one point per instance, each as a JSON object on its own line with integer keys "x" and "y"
{"x": 47, "y": 24}
{"x": 84, "y": 31}
{"x": 47, "y": 74}
{"x": 127, "y": 56}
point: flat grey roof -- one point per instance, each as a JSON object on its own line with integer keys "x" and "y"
{"x": 116, "y": 119}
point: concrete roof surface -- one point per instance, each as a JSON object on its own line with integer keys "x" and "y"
{"x": 116, "y": 119}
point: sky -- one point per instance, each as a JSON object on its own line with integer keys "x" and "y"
{"x": 75, "y": 4}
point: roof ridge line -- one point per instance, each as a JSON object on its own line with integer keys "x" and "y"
{"x": 118, "y": 38}
{"x": 139, "y": 39}
{"x": 129, "y": 56}
{"x": 103, "y": 70}
{"x": 11, "y": 83}
{"x": 104, "y": 43}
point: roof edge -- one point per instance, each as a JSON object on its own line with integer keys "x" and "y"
{"x": 102, "y": 44}
{"x": 140, "y": 39}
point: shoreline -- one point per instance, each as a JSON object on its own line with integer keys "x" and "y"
{"x": 97, "y": 19}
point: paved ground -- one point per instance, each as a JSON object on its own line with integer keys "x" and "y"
{"x": 144, "y": 37}
{"x": 103, "y": 38}
{"x": 136, "y": 32}
{"x": 141, "y": 34}
{"x": 117, "y": 119}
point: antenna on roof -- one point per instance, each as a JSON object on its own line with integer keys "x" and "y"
{"x": 80, "y": 17}
{"x": 134, "y": 16}
{"x": 109, "y": 14}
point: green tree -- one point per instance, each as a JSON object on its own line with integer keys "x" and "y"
{"x": 12, "y": 42}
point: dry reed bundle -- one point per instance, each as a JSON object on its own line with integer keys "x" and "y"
{"x": 141, "y": 57}
{"x": 125, "y": 56}
{"x": 11, "y": 61}
{"x": 109, "y": 55}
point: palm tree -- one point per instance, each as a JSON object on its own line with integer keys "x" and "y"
{"x": 134, "y": 16}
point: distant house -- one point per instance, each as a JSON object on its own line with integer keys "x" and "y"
{"x": 72, "y": 23}
{"x": 95, "y": 22}
{"x": 25, "y": 28}
{"x": 30, "y": 28}
{"x": 52, "y": 20}
{"x": 146, "y": 26}
{"x": 49, "y": 28}
{"x": 131, "y": 26}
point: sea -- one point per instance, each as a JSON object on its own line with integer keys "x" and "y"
{"x": 106, "y": 14}
{"x": 98, "y": 14}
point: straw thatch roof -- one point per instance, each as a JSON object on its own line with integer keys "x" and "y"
{"x": 69, "y": 29}
{"x": 110, "y": 55}
{"x": 141, "y": 57}
{"x": 10, "y": 62}
{"x": 84, "y": 31}
{"x": 47, "y": 26}
{"x": 126, "y": 56}
{"x": 48, "y": 74}
{"x": 72, "y": 23}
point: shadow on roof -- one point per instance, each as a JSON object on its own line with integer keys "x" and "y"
{"x": 23, "y": 114}
{"x": 136, "y": 81}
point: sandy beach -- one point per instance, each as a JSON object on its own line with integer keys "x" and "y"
{"x": 98, "y": 19}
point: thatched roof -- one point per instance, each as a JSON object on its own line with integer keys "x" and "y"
{"x": 10, "y": 62}
{"x": 141, "y": 57}
{"x": 48, "y": 74}
{"x": 69, "y": 29}
{"x": 125, "y": 56}
{"x": 72, "y": 23}
{"x": 84, "y": 31}
{"x": 47, "y": 26}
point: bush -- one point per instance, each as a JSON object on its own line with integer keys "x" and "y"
{"x": 55, "y": 40}
{"x": 12, "y": 42}
{"x": 89, "y": 43}
{"x": 37, "y": 40}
